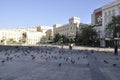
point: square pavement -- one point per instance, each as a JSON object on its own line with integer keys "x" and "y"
{"x": 75, "y": 64}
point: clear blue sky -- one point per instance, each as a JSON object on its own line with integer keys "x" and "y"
{"x": 30, "y": 13}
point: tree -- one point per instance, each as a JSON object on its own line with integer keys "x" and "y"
{"x": 24, "y": 37}
{"x": 77, "y": 38}
{"x": 88, "y": 36}
{"x": 57, "y": 37}
{"x": 71, "y": 39}
{"x": 42, "y": 40}
{"x": 65, "y": 39}
{"x": 61, "y": 40}
{"x": 11, "y": 41}
{"x": 3, "y": 40}
{"x": 114, "y": 28}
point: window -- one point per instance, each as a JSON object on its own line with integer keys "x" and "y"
{"x": 109, "y": 13}
{"x": 113, "y": 12}
{"x": 105, "y": 13}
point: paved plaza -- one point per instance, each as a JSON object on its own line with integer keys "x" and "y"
{"x": 56, "y": 63}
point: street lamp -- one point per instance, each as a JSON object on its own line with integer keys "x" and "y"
{"x": 115, "y": 40}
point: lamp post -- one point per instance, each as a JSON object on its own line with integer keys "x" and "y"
{"x": 115, "y": 40}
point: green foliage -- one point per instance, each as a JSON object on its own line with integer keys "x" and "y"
{"x": 114, "y": 26}
{"x": 2, "y": 41}
{"x": 71, "y": 39}
{"x": 43, "y": 40}
{"x": 21, "y": 41}
{"x": 114, "y": 29}
{"x": 60, "y": 39}
{"x": 57, "y": 37}
{"x": 11, "y": 41}
{"x": 64, "y": 39}
{"x": 88, "y": 36}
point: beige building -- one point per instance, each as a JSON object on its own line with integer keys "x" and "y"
{"x": 48, "y": 37}
{"x": 69, "y": 29}
{"x": 49, "y": 34}
{"x": 28, "y": 36}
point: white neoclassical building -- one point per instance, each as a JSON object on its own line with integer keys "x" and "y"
{"x": 67, "y": 29}
{"x": 31, "y": 35}
{"x": 102, "y": 16}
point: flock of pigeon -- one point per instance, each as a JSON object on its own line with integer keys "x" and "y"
{"x": 46, "y": 54}
{"x": 43, "y": 53}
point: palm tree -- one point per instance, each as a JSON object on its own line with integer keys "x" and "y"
{"x": 114, "y": 28}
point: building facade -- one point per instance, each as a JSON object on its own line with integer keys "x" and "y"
{"x": 28, "y": 36}
{"x": 69, "y": 29}
{"x": 104, "y": 16}
{"x": 96, "y": 22}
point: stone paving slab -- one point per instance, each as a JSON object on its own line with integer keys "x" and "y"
{"x": 89, "y": 66}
